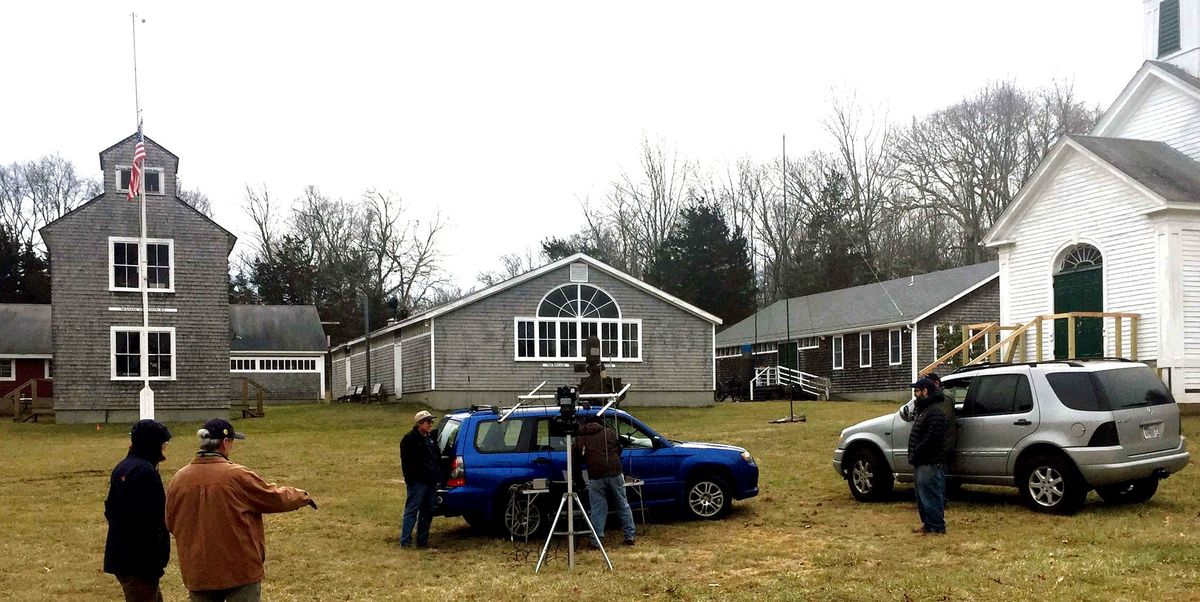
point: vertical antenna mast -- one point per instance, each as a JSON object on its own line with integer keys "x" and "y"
{"x": 146, "y": 395}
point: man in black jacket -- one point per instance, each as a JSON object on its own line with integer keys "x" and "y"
{"x": 419, "y": 458}
{"x": 601, "y": 451}
{"x": 927, "y": 454}
{"x": 138, "y": 545}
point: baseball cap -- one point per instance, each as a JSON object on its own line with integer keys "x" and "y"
{"x": 922, "y": 383}
{"x": 221, "y": 429}
{"x": 422, "y": 415}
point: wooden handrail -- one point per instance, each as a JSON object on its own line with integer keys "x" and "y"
{"x": 983, "y": 331}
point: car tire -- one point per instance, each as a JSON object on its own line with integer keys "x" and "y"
{"x": 870, "y": 478}
{"x": 520, "y": 517}
{"x": 1131, "y": 492}
{"x": 477, "y": 522}
{"x": 1050, "y": 483}
{"x": 707, "y": 497}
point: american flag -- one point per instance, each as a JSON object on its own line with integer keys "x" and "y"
{"x": 139, "y": 157}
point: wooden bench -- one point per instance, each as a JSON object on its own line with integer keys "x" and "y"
{"x": 250, "y": 405}
{"x": 376, "y": 393}
{"x": 359, "y": 393}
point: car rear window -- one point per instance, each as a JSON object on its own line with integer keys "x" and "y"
{"x": 493, "y": 437}
{"x": 1132, "y": 387}
{"x": 447, "y": 433}
{"x": 1076, "y": 390}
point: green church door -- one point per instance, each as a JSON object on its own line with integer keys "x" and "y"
{"x": 1079, "y": 290}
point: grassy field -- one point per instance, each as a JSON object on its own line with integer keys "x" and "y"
{"x": 802, "y": 538}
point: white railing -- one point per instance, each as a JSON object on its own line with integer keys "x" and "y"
{"x": 769, "y": 376}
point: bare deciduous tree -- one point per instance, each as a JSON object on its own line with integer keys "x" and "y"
{"x": 35, "y": 193}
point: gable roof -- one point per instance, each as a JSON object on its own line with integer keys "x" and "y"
{"x": 530, "y": 275}
{"x": 26, "y": 328}
{"x": 866, "y": 307}
{"x": 1154, "y": 168}
{"x": 275, "y": 328}
{"x": 1151, "y": 71}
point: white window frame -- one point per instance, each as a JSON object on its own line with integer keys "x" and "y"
{"x": 112, "y": 283}
{"x": 868, "y": 348}
{"x": 12, "y": 369}
{"x": 46, "y": 368}
{"x": 554, "y": 339}
{"x": 162, "y": 178}
{"x": 898, "y": 360}
{"x": 838, "y": 351}
{"x": 813, "y": 343}
{"x": 144, "y": 366}
{"x": 263, "y": 364}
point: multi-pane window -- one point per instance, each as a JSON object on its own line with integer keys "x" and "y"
{"x": 839, "y": 359}
{"x": 808, "y": 343}
{"x": 124, "y": 259}
{"x": 238, "y": 364}
{"x": 895, "y": 347}
{"x": 153, "y": 179}
{"x": 127, "y": 343}
{"x": 159, "y": 354}
{"x": 241, "y": 365}
{"x": 864, "y": 350}
{"x": 8, "y": 369}
{"x": 567, "y": 316}
{"x": 127, "y": 354}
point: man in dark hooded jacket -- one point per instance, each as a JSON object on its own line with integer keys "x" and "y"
{"x": 138, "y": 545}
{"x": 601, "y": 451}
{"x": 927, "y": 454}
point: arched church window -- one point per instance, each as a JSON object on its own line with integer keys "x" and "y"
{"x": 567, "y": 316}
{"x": 1081, "y": 257}
{"x": 578, "y": 301}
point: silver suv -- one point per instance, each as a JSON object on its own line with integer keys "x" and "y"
{"x": 1054, "y": 430}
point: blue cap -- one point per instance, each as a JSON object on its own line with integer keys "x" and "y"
{"x": 922, "y": 383}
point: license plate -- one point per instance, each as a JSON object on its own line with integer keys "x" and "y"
{"x": 1151, "y": 431}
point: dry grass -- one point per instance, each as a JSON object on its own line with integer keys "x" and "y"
{"x": 803, "y": 538}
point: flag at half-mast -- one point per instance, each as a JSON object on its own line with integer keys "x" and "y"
{"x": 139, "y": 157}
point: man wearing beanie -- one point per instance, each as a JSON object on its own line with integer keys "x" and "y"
{"x": 927, "y": 454}
{"x": 215, "y": 508}
{"x": 138, "y": 546}
{"x": 419, "y": 460}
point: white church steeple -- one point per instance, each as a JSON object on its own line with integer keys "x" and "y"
{"x": 1172, "y": 29}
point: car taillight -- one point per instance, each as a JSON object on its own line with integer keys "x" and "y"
{"x": 458, "y": 474}
{"x": 1105, "y": 436}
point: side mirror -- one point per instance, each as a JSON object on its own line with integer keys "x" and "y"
{"x": 906, "y": 412}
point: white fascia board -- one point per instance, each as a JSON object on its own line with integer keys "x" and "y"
{"x": 280, "y": 353}
{"x": 1040, "y": 179}
{"x": 966, "y": 292}
{"x": 824, "y": 333}
{"x": 527, "y": 276}
{"x": 1115, "y": 115}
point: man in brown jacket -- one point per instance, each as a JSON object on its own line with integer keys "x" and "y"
{"x": 601, "y": 451}
{"x": 214, "y": 509}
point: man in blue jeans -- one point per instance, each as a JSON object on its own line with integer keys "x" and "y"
{"x": 927, "y": 454}
{"x": 601, "y": 452}
{"x": 419, "y": 459}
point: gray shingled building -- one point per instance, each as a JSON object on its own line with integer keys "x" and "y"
{"x": 504, "y": 340}
{"x": 869, "y": 340}
{"x": 96, "y": 332}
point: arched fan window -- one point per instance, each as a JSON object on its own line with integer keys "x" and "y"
{"x": 578, "y": 301}
{"x": 1081, "y": 257}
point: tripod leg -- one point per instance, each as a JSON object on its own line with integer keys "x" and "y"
{"x": 550, "y": 536}
{"x": 592, "y": 530}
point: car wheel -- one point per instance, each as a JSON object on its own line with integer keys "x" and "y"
{"x": 1132, "y": 492}
{"x": 708, "y": 498}
{"x": 521, "y": 517}
{"x": 870, "y": 477}
{"x": 1049, "y": 483}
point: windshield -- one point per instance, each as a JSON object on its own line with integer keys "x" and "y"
{"x": 1132, "y": 387}
{"x": 447, "y": 433}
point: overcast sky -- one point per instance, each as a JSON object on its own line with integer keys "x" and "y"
{"x": 503, "y": 115}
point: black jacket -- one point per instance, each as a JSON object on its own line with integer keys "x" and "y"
{"x": 138, "y": 542}
{"x": 419, "y": 458}
{"x": 927, "y": 440}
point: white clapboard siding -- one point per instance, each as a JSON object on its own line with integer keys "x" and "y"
{"x": 1190, "y": 280}
{"x": 1085, "y": 203}
{"x": 1167, "y": 114}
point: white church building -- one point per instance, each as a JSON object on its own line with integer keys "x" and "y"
{"x": 1110, "y": 221}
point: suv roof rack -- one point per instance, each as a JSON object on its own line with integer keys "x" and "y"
{"x": 1072, "y": 362}
{"x": 1104, "y": 359}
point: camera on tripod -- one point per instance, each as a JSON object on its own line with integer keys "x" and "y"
{"x": 565, "y": 424}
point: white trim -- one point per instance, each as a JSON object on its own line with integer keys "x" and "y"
{"x": 417, "y": 336}
{"x": 537, "y": 338}
{"x": 46, "y": 369}
{"x": 833, "y": 351}
{"x": 145, "y": 367}
{"x": 349, "y": 383}
{"x": 969, "y": 290}
{"x": 714, "y": 357}
{"x": 112, "y": 284}
{"x": 321, "y": 378}
{"x": 800, "y": 347}
{"x": 550, "y": 267}
{"x": 913, "y": 351}
{"x": 160, "y": 310}
{"x": 1055, "y": 259}
{"x": 281, "y": 352}
{"x": 900, "y": 335}
{"x": 578, "y": 285}
{"x": 12, "y": 364}
{"x": 870, "y": 349}
{"x": 1112, "y": 118}
{"x": 398, "y": 368}
{"x": 258, "y": 364}
{"x": 25, "y": 356}
{"x": 162, "y": 178}
{"x": 432, "y": 356}
{"x": 825, "y": 334}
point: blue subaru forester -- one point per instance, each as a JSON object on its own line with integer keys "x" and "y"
{"x": 487, "y": 462}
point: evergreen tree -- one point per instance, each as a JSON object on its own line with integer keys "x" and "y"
{"x": 706, "y": 264}
{"x": 24, "y": 274}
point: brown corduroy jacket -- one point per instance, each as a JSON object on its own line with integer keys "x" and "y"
{"x": 214, "y": 509}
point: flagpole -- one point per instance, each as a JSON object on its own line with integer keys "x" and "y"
{"x": 146, "y": 395}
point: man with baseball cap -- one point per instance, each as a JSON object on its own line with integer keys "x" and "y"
{"x": 927, "y": 455}
{"x": 419, "y": 460}
{"x": 138, "y": 546}
{"x": 215, "y": 508}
